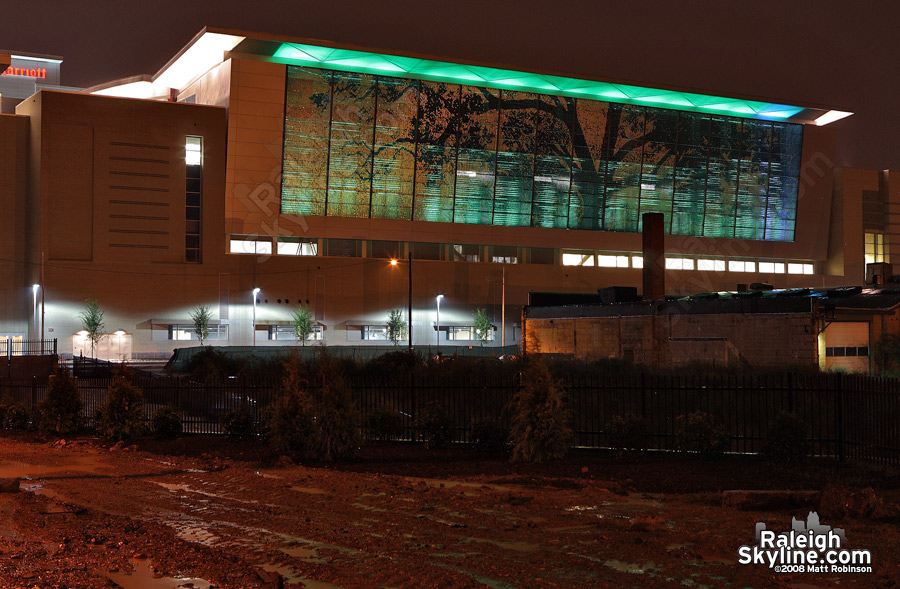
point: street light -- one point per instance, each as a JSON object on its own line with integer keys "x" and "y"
{"x": 255, "y": 292}
{"x": 119, "y": 333}
{"x": 438, "y": 299}
{"x": 394, "y": 263}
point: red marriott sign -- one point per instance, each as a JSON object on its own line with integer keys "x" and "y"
{"x": 38, "y": 73}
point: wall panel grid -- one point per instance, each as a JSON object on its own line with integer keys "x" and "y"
{"x": 366, "y": 146}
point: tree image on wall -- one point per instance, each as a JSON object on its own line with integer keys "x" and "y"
{"x": 433, "y": 151}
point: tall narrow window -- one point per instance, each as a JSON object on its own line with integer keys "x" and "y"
{"x": 875, "y": 248}
{"x": 193, "y": 180}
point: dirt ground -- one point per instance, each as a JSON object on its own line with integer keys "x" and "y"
{"x": 208, "y": 512}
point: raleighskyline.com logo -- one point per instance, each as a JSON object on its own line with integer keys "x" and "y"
{"x": 809, "y": 547}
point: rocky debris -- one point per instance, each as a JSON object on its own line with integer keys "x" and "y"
{"x": 840, "y": 503}
{"x": 755, "y": 500}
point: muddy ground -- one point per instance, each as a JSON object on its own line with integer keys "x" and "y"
{"x": 211, "y": 512}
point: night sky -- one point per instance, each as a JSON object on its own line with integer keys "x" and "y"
{"x": 824, "y": 52}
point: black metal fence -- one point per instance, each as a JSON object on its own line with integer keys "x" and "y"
{"x": 28, "y": 347}
{"x": 854, "y": 417}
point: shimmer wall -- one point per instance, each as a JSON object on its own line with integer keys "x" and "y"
{"x": 365, "y": 146}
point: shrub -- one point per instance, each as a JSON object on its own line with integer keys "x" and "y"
{"x": 289, "y": 418}
{"x": 698, "y": 433}
{"x": 786, "y": 439}
{"x": 627, "y": 432}
{"x": 336, "y": 420}
{"x": 121, "y": 417}
{"x": 435, "y": 425}
{"x": 384, "y": 424}
{"x": 238, "y": 423}
{"x": 490, "y": 434}
{"x": 166, "y": 422}
{"x": 14, "y": 415}
{"x": 540, "y": 428}
{"x": 60, "y": 412}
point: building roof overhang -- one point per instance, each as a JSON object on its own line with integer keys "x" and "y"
{"x": 213, "y": 45}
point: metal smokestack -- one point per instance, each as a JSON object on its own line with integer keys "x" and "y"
{"x": 653, "y": 241}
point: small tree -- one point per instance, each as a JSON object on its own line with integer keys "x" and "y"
{"x": 60, "y": 411}
{"x": 201, "y": 315}
{"x": 336, "y": 418}
{"x": 92, "y": 322}
{"x": 540, "y": 418}
{"x": 395, "y": 326}
{"x": 302, "y": 321}
{"x": 483, "y": 326}
{"x": 289, "y": 419}
{"x": 121, "y": 417}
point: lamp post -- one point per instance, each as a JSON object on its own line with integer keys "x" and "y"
{"x": 438, "y": 330}
{"x": 255, "y": 292}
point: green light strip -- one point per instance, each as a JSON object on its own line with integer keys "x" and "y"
{"x": 377, "y": 63}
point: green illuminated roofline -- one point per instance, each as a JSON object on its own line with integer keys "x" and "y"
{"x": 410, "y": 67}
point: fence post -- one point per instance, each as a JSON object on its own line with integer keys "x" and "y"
{"x": 33, "y": 391}
{"x": 839, "y": 400}
{"x": 178, "y": 394}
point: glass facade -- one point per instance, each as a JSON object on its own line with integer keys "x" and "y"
{"x": 370, "y": 146}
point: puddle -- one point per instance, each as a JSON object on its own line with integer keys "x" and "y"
{"x": 369, "y": 507}
{"x": 448, "y": 484}
{"x": 74, "y": 463}
{"x": 143, "y": 578}
{"x": 188, "y": 489}
{"x": 582, "y": 508}
{"x": 633, "y": 568}
{"x": 309, "y": 490}
{"x": 292, "y": 577}
{"x": 517, "y": 546}
{"x": 267, "y": 475}
{"x": 487, "y": 581}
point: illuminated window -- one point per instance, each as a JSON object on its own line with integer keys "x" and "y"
{"x": 297, "y": 246}
{"x": 875, "y": 248}
{"x": 249, "y": 246}
{"x": 374, "y": 332}
{"x": 193, "y": 182}
{"x": 796, "y": 268}
{"x": 741, "y": 266}
{"x": 466, "y": 333}
{"x": 187, "y": 332}
{"x": 193, "y": 152}
{"x": 637, "y": 261}
{"x": 288, "y": 333}
{"x": 771, "y": 267}
{"x": 570, "y": 258}
{"x": 606, "y": 261}
{"x": 808, "y": 269}
{"x": 711, "y": 265}
{"x": 679, "y": 264}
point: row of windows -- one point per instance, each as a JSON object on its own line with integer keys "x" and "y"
{"x": 847, "y": 351}
{"x": 501, "y": 255}
{"x": 220, "y": 333}
{"x": 366, "y": 146}
{"x": 679, "y": 263}
{"x": 453, "y": 333}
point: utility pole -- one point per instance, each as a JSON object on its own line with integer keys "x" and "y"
{"x": 409, "y": 300}
{"x": 503, "y": 307}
